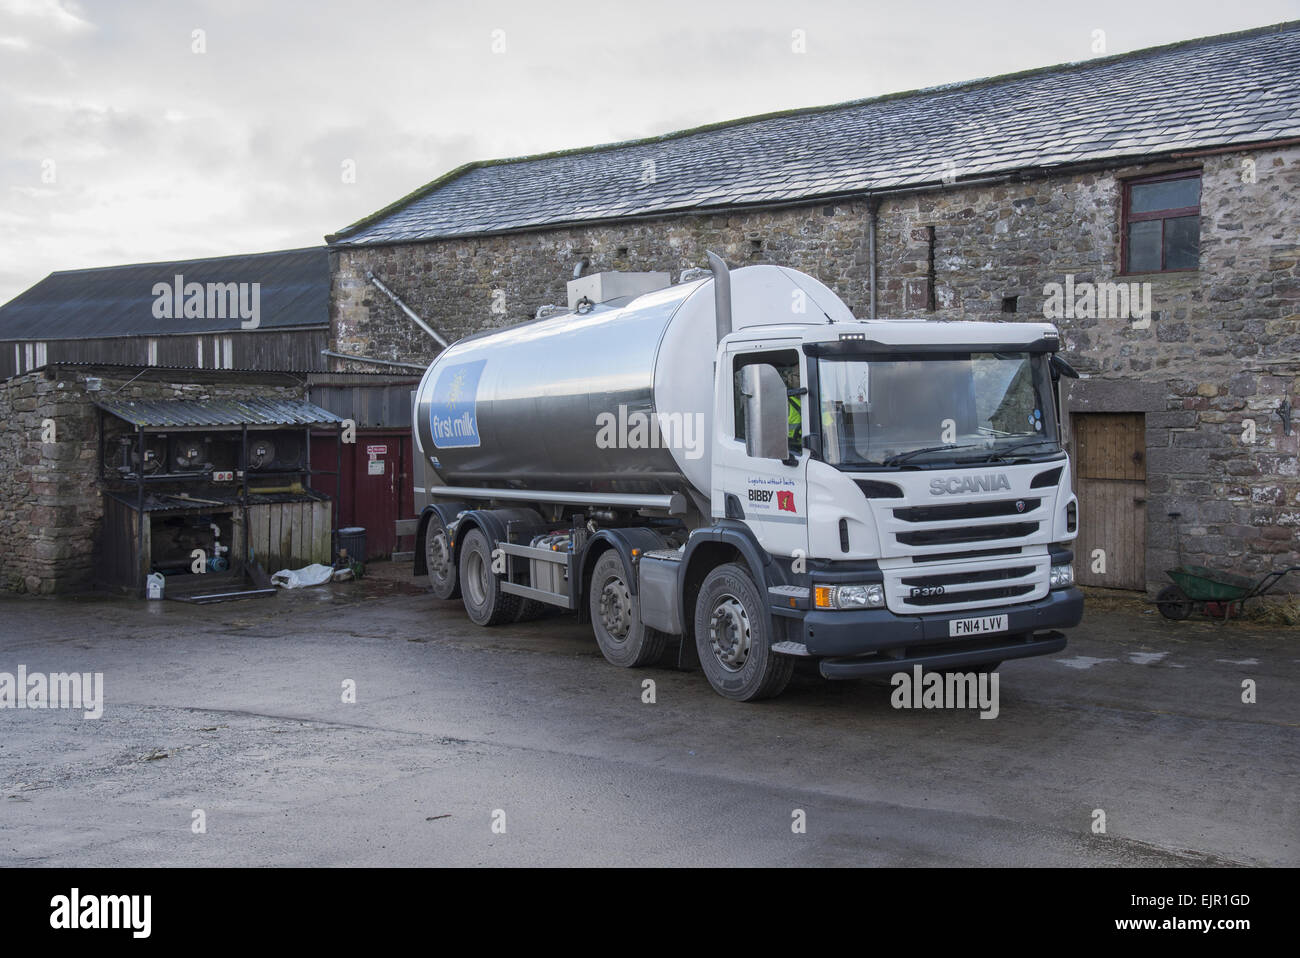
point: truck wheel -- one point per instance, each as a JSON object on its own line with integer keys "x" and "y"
{"x": 733, "y": 632}
{"x": 480, "y": 589}
{"x": 438, "y": 557}
{"x": 616, "y": 617}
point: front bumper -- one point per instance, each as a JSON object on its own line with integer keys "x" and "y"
{"x": 878, "y": 642}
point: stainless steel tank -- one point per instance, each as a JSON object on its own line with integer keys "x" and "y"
{"x": 535, "y": 406}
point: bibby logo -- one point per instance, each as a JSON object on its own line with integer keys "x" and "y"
{"x": 453, "y": 410}
{"x": 785, "y": 501}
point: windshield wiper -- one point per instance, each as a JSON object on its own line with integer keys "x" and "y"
{"x": 899, "y": 457}
{"x": 1002, "y": 453}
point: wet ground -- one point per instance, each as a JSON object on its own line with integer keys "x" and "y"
{"x": 520, "y": 745}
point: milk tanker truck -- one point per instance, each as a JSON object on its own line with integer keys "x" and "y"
{"x": 739, "y": 467}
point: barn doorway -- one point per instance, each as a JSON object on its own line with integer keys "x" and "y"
{"x": 1110, "y": 479}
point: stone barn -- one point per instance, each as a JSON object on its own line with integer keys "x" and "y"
{"x": 1147, "y": 203}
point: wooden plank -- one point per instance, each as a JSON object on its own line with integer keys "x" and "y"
{"x": 257, "y": 534}
{"x": 296, "y": 542}
{"x": 307, "y": 544}
{"x": 326, "y": 524}
{"x": 286, "y": 533}
{"x": 273, "y": 539}
{"x": 321, "y": 522}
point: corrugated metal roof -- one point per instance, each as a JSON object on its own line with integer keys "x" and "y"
{"x": 1233, "y": 89}
{"x": 179, "y": 413}
{"x": 293, "y": 291}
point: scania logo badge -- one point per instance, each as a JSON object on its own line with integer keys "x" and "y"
{"x": 953, "y": 485}
{"x": 1020, "y": 505}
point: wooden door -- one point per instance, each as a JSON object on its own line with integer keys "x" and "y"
{"x": 1110, "y": 473}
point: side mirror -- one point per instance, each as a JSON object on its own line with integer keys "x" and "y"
{"x": 766, "y": 416}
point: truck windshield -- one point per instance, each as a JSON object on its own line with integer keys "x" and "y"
{"x": 927, "y": 409}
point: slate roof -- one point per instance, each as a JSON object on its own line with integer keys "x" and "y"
{"x": 191, "y": 413}
{"x": 118, "y": 300}
{"x": 1232, "y": 89}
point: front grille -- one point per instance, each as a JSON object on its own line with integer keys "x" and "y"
{"x": 968, "y": 585}
{"x": 940, "y": 537}
{"x": 967, "y": 510}
{"x": 977, "y": 595}
{"x": 979, "y": 575}
{"x": 961, "y": 556}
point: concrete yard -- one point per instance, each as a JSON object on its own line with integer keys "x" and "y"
{"x": 237, "y": 710}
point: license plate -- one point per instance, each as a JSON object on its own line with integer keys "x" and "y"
{"x": 980, "y": 626}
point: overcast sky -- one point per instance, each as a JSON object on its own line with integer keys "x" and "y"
{"x": 120, "y": 142}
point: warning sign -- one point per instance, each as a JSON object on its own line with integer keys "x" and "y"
{"x": 377, "y": 450}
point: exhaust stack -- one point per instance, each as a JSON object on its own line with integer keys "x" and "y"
{"x": 721, "y": 294}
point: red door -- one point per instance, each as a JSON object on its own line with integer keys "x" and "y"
{"x": 377, "y": 490}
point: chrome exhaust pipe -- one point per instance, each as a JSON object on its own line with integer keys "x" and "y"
{"x": 721, "y": 293}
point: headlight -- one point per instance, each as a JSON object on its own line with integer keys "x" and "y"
{"x": 850, "y": 596}
{"x": 1062, "y": 576}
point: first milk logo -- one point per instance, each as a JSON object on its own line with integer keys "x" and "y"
{"x": 453, "y": 418}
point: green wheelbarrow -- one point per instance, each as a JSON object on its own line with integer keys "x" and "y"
{"x": 1197, "y": 588}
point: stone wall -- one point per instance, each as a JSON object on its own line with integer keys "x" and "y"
{"x": 50, "y": 504}
{"x": 1222, "y": 345}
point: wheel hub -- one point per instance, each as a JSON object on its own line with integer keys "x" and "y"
{"x": 730, "y": 633}
{"x": 478, "y": 582}
{"x": 616, "y": 609}
{"x": 439, "y": 556}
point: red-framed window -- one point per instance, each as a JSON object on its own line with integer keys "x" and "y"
{"x": 1162, "y": 223}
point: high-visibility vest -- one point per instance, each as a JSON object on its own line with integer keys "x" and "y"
{"x": 794, "y": 418}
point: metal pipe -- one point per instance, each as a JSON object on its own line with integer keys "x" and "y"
{"x": 378, "y": 283}
{"x": 873, "y": 206}
{"x": 721, "y": 294}
{"x": 617, "y": 500}
{"x": 141, "y": 559}
{"x": 366, "y": 359}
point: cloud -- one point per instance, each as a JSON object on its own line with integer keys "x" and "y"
{"x": 160, "y": 153}
{"x": 62, "y": 16}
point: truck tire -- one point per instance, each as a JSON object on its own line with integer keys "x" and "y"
{"x": 480, "y": 589}
{"x": 623, "y": 638}
{"x": 444, "y": 577}
{"x": 530, "y": 609}
{"x": 733, "y": 635}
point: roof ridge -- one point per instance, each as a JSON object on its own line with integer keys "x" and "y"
{"x": 194, "y": 259}
{"x": 1285, "y": 26}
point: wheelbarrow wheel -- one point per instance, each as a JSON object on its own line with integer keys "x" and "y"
{"x": 1173, "y": 603}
